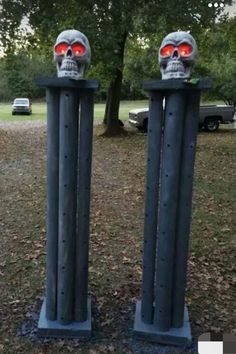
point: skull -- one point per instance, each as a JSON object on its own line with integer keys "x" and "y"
{"x": 72, "y": 54}
{"x": 177, "y": 55}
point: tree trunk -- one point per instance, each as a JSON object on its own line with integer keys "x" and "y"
{"x": 111, "y": 117}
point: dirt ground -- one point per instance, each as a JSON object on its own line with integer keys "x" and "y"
{"x": 116, "y": 240}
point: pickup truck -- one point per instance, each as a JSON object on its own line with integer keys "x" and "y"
{"x": 210, "y": 117}
{"x": 21, "y": 106}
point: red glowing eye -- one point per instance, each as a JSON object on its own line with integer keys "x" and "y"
{"x": 185, "y": 49}
{"x": 78, "y": 49}
{"x": 61, "y": 48}
{"x": 167, "y": 51}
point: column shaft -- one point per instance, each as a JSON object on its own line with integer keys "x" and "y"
{"x": 84, "y": 181}
{"x": 52, "y": 96}
{"x": 171, "y": 158}
{"x": 67, "y": 204}
{"x": 151, "y": 204}
{"x": 185, "y": 206}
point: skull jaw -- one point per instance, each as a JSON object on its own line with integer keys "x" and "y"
{"x": 71, "y": 69}
{"x": 71, "y": 74}
{"x": 175, "y": 70}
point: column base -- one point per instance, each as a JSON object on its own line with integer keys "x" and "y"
{"x": 54, "y": 329}
{"x": 175, "y": 336}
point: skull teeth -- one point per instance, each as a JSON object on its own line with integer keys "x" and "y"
{"x": 175, "y": 67}
{"x": 68, "y": 65}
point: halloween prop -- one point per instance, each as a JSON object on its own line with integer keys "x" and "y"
{"x": 66, "y": 310}
{"x": 161, "y": 315}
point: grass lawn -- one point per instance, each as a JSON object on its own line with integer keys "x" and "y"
{"x": 116, "y": 240}
{"x": 39, "y": 111}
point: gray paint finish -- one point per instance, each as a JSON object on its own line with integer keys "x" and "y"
{"x": 174, "y": 336}
{"x": 151, "y": 204}
{"x": 67, "y": 204}
{"x": 170, "y": 170}
{"x": 185, "y": 207}
{"x": 66, "y": 311}
{"x": 54, "y": 329}
{"x": 83, "y": 209}
{"x": 52, "y": 97}
{"x": 170, "y": 231}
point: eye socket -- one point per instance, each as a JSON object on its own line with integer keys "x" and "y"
{"x": 61, "y": 48}
{"x": 185, "y": 49}
{"x": 167, "y": 51}
{"x": 78, "y": 49}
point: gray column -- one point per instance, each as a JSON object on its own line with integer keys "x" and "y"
{"x": 83, "y": 210}
{"x": 52, "y": 96}
{"x": 67, "y": 204}
{"x": 151, "y": 204}
{"x": 185, "y": 206}
{"x": 174, "y": 118}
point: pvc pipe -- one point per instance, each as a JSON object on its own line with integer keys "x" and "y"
{"x": 84, "y": 181}
{"x": 185, "y": 207}
{"x": 52, "y": 96}
{"x": 67, "y": 204}
{"x": 151, "y": 204}
{"x": 171, "y": 159}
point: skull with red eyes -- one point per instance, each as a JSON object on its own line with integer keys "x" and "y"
{"x": 177, "y": 55}
{"x": 72, "y": 54}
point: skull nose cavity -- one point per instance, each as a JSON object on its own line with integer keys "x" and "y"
{"x": 69, "y": 53}
{"x": 175, "y": 53}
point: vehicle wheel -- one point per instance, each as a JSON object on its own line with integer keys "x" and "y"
{"x": 211, "y": 124}
{"x": 13, "y": 113}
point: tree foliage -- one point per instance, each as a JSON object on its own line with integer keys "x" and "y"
{"x": 19, "y": 72}
{"x": 123, "y": 35}
{"x": 218, "y": 59}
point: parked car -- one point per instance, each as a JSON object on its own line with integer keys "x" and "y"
{"x": 210, "y": 117}
{"x": 21, "y": 106}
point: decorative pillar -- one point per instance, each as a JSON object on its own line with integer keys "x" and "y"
{"x": 161, "y": 316}
{"x": 66, "y": 310}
